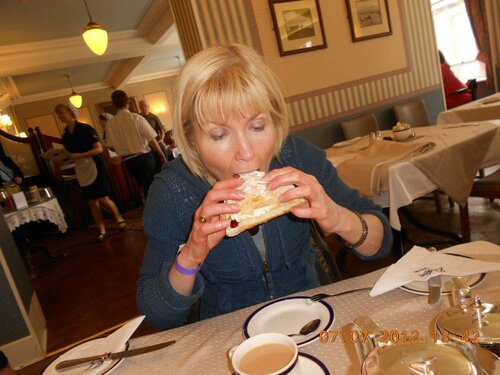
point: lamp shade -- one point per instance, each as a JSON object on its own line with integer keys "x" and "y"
{"x": 96, "y": 38}
{"x": 75, "y": 99}
{"x": 5, "y": 120}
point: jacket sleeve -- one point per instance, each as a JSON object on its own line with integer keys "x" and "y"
{"x": 313, "y": 161}
{"x": 163, "y": 307}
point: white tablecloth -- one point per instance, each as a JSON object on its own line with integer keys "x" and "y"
{"x": 202, "y": 347}
{"x": 479, "y": 110}
{"x": 49, "y": 210}
{"x": 407, "y": 182}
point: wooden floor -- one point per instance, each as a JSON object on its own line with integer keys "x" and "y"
{"x": 93, "y": 289}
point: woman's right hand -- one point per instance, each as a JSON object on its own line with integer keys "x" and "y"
{"x": 206, "y": 234}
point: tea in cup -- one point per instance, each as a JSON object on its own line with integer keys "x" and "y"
{"x": 266, "y": 354}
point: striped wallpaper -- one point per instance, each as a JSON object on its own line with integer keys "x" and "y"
{"x": 185, "y": 23}
{"x": 495, "y": 35}
{"x": 228, "y": 21}
{"x": 495, "y": 4}
{"x": 91, "y": 100}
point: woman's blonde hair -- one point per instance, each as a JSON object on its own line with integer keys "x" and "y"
{"x": 222, "y": 83}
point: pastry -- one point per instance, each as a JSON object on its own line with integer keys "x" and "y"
{"x": 259, "y": 205}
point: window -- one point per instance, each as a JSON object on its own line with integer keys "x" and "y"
{"x": 455, "y": 39}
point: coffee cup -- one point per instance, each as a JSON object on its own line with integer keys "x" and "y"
{"x": 267, "y": 353}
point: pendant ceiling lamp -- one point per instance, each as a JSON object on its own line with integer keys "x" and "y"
{"x": 74, "y": 98}
{"x": 94, "y": 35}
{"x": 5, "y": 119}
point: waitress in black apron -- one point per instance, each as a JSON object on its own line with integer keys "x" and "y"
{"x": 82, "y": 141}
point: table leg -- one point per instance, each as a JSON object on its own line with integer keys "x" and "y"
{"x": 27, "y": 248}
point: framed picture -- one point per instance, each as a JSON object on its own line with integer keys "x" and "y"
{"x": 298, "y": 25}
{"x": 108, "y": 107}
{"x": 368, "y": 19}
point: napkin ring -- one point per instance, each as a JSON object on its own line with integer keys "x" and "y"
{"x": 364, "y": 233}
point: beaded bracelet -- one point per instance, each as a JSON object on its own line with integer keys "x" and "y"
{"x": 364, "y": 233}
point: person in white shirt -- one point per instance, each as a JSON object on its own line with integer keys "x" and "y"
{"x": 130, "y": 136}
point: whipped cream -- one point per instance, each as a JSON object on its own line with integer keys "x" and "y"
{"x": 254, "y": 186}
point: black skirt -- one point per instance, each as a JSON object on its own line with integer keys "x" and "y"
{"x": 100, "y": 188}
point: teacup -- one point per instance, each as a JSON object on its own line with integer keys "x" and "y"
{"x": 267, "y": 353}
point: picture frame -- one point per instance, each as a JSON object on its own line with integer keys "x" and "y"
{"x": 298, "y": 26}
{"x": 108, "y": 107}
{"x": 368, "y": 19}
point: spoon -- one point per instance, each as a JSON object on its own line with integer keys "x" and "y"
{"x": 308, "y": 328}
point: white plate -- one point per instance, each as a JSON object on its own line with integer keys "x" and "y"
{"x": 288, "y": 315}
{"x": 346, "y": 143}
{"x": 422, "y": 288}
{"x": 105, "y": 368}
{"x": 311, "y": 365}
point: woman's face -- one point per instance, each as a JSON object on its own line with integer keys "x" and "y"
{"x": 238, "y": 146}
{"x": 64, "y": 115}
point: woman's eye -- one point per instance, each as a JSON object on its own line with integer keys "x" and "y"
{"x": 217, "y": 136}
{"x": 258, "y": 127}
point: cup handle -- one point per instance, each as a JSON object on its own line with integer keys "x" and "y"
{"x": 232, "y": 350}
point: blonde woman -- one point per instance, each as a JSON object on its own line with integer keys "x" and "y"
{"x": 229, "y": 118}
{"x": 82, "y": 141}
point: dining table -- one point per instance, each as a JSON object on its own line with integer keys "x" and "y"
{"x": 459, "y": 151}
{"x": 48, "y": 209}
{"x": 484, "y": 109}
{"x": 202, "y": 347}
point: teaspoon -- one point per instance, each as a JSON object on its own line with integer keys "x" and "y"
{"x": 308, "y": 328}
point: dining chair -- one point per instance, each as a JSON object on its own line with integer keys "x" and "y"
{"x": 359, "y": 126}
{"x": 413, "y": 113}
{"x": 487, "y": 187}
{"x": 325, "y": 264}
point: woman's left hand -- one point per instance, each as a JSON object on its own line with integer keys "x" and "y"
{"x": 321, "y": 207}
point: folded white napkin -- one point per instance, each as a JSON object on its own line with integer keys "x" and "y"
{"x": 112, "y": 343}
{"x": 419, "y": 264}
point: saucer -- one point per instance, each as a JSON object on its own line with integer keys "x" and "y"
{"x": 105, "y": 368}
{"x": 288, "y": 315}
{"x": 422, "y": 287}
{"x": 311, "y": 365}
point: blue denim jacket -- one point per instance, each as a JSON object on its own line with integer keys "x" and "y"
{"x": 233, "y": 275}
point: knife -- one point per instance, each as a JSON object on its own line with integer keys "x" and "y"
{"x": 434, "y": 284}
{"x": 113, "y": 356}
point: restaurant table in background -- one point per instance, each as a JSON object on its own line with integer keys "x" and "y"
{"x": 202, "y": 347}
{"x": 479, "y": 110}
{"x": 406, "y": 181}
{"x": 49, "y": 210}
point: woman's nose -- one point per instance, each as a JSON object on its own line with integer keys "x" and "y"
{"x": 244, "y": 150}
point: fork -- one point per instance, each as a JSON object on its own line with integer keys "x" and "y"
{"x": 321, "y": 296}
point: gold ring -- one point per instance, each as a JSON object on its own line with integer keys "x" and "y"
{"x": 203, "y": 219}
